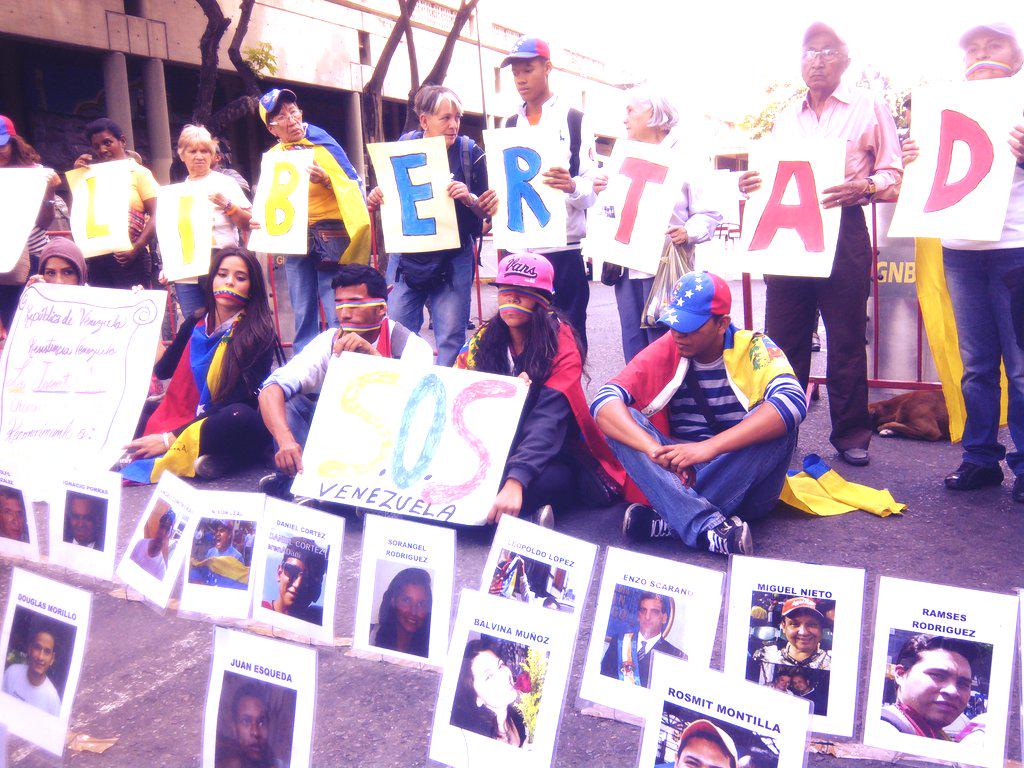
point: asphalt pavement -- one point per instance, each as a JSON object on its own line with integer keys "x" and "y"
{"x": 146, "y": 672}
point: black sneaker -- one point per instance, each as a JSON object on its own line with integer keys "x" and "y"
{"x": 970, "y": 476}
{"x": 641, "y": 523}
{"x": 212, "y": 467}
{"x": 545, "y": 517}
{"x": 731, "y": 537}
{"x": 276, "y": 484}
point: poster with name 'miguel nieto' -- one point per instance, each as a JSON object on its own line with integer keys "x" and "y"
{"x": 75, "y": 372}
{"x": 423, "y": 442}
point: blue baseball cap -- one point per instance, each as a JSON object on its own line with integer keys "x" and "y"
{"x": 696, "y": 297}
{"x": 6, "y": 130}
{"x": 527, "y": 48}
{"x": 270, "y": 100}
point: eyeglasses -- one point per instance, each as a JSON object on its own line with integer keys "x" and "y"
{"x": 293, "y": 571}
{"x": 284, "y": 118}
{"x": 828, "y": 54}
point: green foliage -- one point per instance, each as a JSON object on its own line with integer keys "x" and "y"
{"x": 536, "y": 666}
{"x": 261, "y": 59}
{"x": 780, "y": 96}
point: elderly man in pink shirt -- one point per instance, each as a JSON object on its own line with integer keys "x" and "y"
{"x": 832, "y": 109}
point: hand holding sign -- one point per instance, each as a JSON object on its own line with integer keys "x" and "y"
{"x": 184, "y": 228}
{"x": 100, "y": 205}
{"x": 281, "y": 204}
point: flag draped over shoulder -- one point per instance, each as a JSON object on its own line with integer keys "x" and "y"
{"x": 190, "y": 392}
{"x": 348, "y": 192}
{"x": 940, "y": 325}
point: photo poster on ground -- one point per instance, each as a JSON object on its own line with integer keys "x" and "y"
{"x": 959, "y": 186}
{"x": 405, "y": 590}
{"x": 530, "y": 213}
{"x": 539, "y": 566}
{"x": 281, "y": 203}
{"x": 796, "y": 627}
{"x": 295, "y": 569}
{"x": 714, "y": 719}
{"x": 100, "y": 205}
{"x": 417, "y": 215}
{"x": 217, "y": 578}
{"x": 505, "y": 675}
{"x": 75, "y": 372}
{"x": 257, "y": 681}
{"x": 627, "y": 224}
{"x": 43, "y": 642}
{"x": 184, "y": 230}
{"x": 19, "y": 535}
{"x": 22, "y": 191}
{"x": 84, "y": 514}
{"x": 423, "y": 442}
{"x": 647, "y": 604}
{"x": 156, "y": 550}
{"x": 786, "y": 231}
{"x": 941, "y": 663}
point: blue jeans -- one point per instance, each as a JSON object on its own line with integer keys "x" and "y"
{"x": 630, "y": 296}
{"x": 189, "y": 297}
{"x": 449, "y": 306}
{"x": 984, "y": 326}
{"x": 745, "y": 483}
{"x": 306, "y": 286}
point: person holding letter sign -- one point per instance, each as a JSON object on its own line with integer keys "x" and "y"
{"x": 133, "y": 267}
{"x": 979, "y": 276}
{"x": 558, "y": 455}
{"x": 832, "y": 110}
{"x": 442, "y": 278}
{"x": 339, "y": 226}
{"x": 705, "y": 421}
{"x": 288, "y": 397}
{"x": 530, "y": 59}
{"x": 207, "y": 423}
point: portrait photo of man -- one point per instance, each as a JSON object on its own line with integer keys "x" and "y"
{"x": 13, "y": 524}
{"x": 85, "y": 520}
{"x": 628, "y": 656}
{"x": 216, "y": 561}
{"x": 254, "y": 724}
{"x": 151, "y": 554}
{"x": 299, "y": 581}
{"x": 37, "y": 660}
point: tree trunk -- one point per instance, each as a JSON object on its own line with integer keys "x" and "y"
{"x": 371, "y": 98}
{"x": 414, "y": 75}
{"x": 444, "y": 58}
{"x": 209, "y": 44}
{"x": 244, "y": 105}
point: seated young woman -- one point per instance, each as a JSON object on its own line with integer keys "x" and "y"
{"x": 208, "y": 423}
{"x": 558, "y": 457}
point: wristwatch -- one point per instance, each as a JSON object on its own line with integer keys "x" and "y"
{"x": 871, "y": 187}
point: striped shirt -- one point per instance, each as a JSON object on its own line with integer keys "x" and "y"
{"x": 687, "y": 422}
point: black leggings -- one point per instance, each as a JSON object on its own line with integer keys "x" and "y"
{"x": 235, "y": 431}
{"x": 554, "y": 485}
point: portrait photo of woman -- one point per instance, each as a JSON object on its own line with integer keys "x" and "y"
{"x": 404, "y": 613}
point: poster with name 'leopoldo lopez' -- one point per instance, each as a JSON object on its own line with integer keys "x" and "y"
{"x": 941, "y": 664}
{"x": 796, "y": 628}
{"x": 503, "y": 685}
{"x": 647, "y": 606}
{"x": 43, "y": 643}
{"x": 697, "y": 716}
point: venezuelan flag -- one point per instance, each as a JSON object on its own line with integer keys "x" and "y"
{"x": 191, "y": 390}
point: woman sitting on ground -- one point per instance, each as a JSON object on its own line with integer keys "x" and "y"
{"x": 558, "y": 456}
{"x": 208, "y": 424}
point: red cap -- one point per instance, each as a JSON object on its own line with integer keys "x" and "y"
{"x": 800, "y": 604}
{"x": 6, "y": 130}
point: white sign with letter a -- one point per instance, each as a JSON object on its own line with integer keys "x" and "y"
{"x": 959, "y": 186}
{"x": 424, "y": 442}
{"x": 185, "y": 231}
{"x": 281, "y": 204}
{"x": 786, "y": 231}
{"x": 100, "y": 204}
{"x": 21, "y": 194}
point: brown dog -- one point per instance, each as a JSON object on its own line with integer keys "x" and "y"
{"x": 920, "y": 415}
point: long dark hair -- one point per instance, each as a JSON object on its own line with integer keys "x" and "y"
{"x": 465, "y": 712}
{"x": 494, "y": 341}
{"x": 22, "y": 153}
{"x": 254, "y": 333}
{"x": 387, "y": 632}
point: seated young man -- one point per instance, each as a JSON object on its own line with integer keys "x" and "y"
{"x": 289, "y": 394}
{"x": 704, "y": 420}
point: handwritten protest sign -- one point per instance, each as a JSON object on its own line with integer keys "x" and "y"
{"x": 786, "y": 231}
{"x": 185, "y": 231}
{"x": 21, "y": 194}
{"x": 100, "y": 207}
{"x": 971, "y": 635}
{"x": 959, "y": 186}
{"x": 627, "y": 224}
{"x": 75, "y": 371}
{"x": 54, "y": 615}
{"x": 530, "y": 213}
{"x": 427, "y": 443}
{"x": 417, "y": 214}
{"x": 281, "y": 203}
